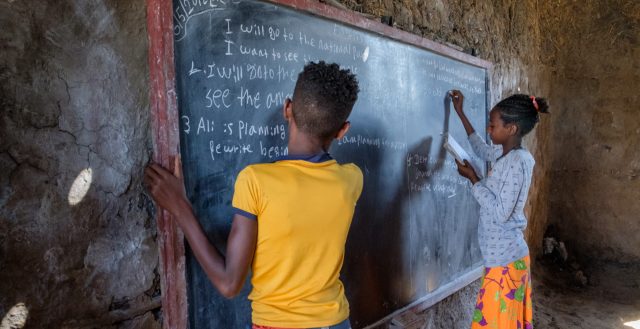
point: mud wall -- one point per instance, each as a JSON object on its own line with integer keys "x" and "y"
{"x": 77, "y": 243}
{"x": 594, "y": 59}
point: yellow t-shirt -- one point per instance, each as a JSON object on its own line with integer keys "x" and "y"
{"x": 304, "y": 210}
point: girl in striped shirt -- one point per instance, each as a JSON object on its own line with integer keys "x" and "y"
{"x": 504, "y": 300}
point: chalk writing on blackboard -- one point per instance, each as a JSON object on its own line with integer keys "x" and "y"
{"x": 415, "y": 225}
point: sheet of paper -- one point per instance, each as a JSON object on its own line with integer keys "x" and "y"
{"x": 458, "y": 152}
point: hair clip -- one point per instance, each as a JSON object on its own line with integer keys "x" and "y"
{"x": 535, "y": 104}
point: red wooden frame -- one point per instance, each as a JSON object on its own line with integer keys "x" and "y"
{"x": 166, "y": 147}
{"x": 164, "y": 117}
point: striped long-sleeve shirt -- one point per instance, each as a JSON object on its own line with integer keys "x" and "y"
{"x": 502, "y": 196}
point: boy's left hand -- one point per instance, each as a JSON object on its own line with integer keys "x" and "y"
{"x": 166, "y": 189}
{"x": 466, "y": 170}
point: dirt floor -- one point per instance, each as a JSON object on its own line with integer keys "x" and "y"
{"x": 610, "y": 298}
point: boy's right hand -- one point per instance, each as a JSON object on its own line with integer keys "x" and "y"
{"x": 166, "y": 189}
{"x": 457, "y": 98}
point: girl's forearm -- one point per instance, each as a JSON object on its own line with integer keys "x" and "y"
{"x": 466, "y": 123}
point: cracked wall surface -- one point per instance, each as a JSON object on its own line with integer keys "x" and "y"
{"x": 77, "y": 244}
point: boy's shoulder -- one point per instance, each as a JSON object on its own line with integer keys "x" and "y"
{"x": 344, "y": 177}
{"x": 274, "y": 167}
{"x": 353, "y": 167}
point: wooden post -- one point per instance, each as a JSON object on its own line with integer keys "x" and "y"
{"x": 166, "y": 147}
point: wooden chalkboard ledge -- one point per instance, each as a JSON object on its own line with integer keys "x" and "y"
{"x": 434, "y": 297}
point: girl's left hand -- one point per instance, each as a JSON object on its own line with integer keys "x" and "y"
{"x": 466, "y": 170}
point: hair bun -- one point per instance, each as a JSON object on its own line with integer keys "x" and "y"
{"x": 541, "y": 104}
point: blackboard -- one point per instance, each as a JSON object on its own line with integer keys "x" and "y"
{"x": 414, "y": 232}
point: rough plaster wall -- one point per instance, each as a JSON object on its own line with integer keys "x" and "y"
{"x": 74, "y": 98}
{"x": 595, "y": 58}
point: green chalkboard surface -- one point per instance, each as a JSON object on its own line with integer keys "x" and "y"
{"x": 414, "y": 232}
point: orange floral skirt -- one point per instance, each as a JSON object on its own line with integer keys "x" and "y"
{"x": 504, "y": 300}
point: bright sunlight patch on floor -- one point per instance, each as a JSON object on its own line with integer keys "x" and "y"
{"x": 80, "y": 186}
{"x": 16, "y": 318}
{"x": 633, "y": 324}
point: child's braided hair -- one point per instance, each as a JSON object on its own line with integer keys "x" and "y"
{"x": 523, "y": 110}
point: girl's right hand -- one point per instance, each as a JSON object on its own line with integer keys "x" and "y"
{"x": 457, "y": 98}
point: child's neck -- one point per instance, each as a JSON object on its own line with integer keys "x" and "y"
{"x": 302, "y": 144}
{"x": 512, "y": 143}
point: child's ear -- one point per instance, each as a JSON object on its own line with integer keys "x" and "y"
{"x": 513, "y": 129}
{"x": 287, "y": 109}
{"x": 343, "y": 130}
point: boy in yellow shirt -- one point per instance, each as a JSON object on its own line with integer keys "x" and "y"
{"x": 291, "y": 217}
